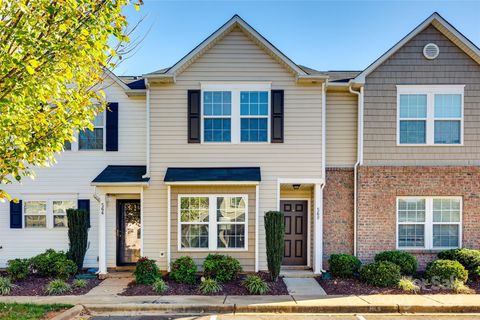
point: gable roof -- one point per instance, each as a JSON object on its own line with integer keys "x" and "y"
{"x": 133, "y": 88}
{"x": 235, "y": 22}
{"x": 441, "y": 25}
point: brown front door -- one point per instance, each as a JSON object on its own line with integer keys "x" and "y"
{"x": 295, "y": 252}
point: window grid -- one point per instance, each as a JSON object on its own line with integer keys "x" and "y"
{"x": 60, "y": 212}
{"x": 35, "y": 214}
{"x": 93, "y": 139}
{"x": 411, "y": 222}
{"x": 443, "y": 121}
{"x": 217, "y": 115}
{"x": 254, "y": 116}
{"x": 219, "y": 234}
{"x": 442, "y": 227}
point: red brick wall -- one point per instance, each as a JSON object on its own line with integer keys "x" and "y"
{"x": 338, "y": 212}
{"x": 379, "y": 187}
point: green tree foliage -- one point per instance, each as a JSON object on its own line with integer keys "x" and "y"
{"x": 77, "y": 235}
{"x": 53, "y": 55}
{"x": 274, "y": 232}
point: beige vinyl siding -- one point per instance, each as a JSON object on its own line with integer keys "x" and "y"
{"x": 246, "y": 258}
{"x": 408, "y": 66}
{"x": 71, "y": 176}
{"x": 234, "y": 58}
{"x": 341, "y": 129}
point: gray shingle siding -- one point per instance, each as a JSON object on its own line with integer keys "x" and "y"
{"x": 409, "y": 66}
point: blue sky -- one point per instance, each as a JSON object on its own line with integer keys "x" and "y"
{"x": 324, "y": 35}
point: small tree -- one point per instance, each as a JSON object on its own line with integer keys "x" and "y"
{"x": 77, "y": 235}
{"x": 275, "y": 232}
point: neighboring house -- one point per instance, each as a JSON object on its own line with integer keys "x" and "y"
{"x": 187, "y": 159}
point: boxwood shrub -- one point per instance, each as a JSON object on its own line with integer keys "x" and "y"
{"x": 381, "y": 274}
{"x": 469, "y": 258}
{"x": 146, "y": 271}
{"x": 183, "y": 270}
{"x": 18, "y": 269}
{"x": 221, "y": 268}
{"x": 446, "y": 270}
{"x": 406, "y": 261}
{"x": 344, "y": 265}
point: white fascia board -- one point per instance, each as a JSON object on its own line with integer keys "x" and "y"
{"x": 434, "y": 17}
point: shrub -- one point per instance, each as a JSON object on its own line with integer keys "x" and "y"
{"x": 160, "y": 286}
{"x": 380, "y": 274}
{"x": 5, "y": 286}
{"x": 209, "y": 286}
{"x": 446, "y": 270}
{"x": 406, "y": 261}
{"x": 57, "y": 287}
{"x": 80, "y": 283}
{"x": 53, "y": 263}
{"x": 221, "y": 268}
{"x": 65, "y": 268}
{"x": 407, "y": 285}
{"x": 78, "y": 224}
{"x": 146, "y": 271}
{"x": 255, "y": 285}
{"x": 274, "y": 236}
{"x": 476, "y": 272}
{"x": 344, "y": 265}
{"x": 17, "y": 269}
{"x": 460, "y": 288}
{"x": 183, "y": 270}
{"x": 469, "y": 258}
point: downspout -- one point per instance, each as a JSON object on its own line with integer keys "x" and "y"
{"x": 147, "y": 173}
{"x": 324, "y": 156}
{"x": 359, "y": 161}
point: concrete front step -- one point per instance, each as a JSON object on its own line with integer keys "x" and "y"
{"x": 297, "y": 273}
{"x": 120, "y": 274}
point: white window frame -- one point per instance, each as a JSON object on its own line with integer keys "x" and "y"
{"x": 24, "y": 215}
{"x": 430, "y": 91}
{"x": 212, "y": 222}
{"x": 235, "y": 89}
{"x": 75, "y": 145}
{"x": 75, "y": 203}
{"x": 428, "y": 245}
{"x": 49, "y": 214}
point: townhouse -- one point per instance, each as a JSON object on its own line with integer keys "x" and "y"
{"x": 187, "y": 159}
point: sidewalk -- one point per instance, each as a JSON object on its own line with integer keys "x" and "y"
{"x": 282, "y": 304}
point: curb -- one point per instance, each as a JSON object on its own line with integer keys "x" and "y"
{"x": 233, "y": 308}
{"x": 69, "y": 313}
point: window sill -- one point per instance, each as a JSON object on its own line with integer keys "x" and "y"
{"x": 429, "y": 145}
{"x": 424, "y": 251}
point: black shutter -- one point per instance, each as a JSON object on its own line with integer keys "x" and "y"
{"x": 16, "y": 215}
{"x": 112, "y": 127}
{"x": 194, "y": 116}
{"x": 85, "y": 205}
{"x": 277, "y": 116}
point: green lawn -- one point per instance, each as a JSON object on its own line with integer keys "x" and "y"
{"x": 17, "y": 311}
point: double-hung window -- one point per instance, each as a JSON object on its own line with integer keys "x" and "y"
{"x": 429, "y": 222}
{"x": 93, "y": 139}
{"x": 50, "y": 212}
{"x": 430, "y": 115}
{"x": 236, "y": 113}
{"x": 213, "y": 222}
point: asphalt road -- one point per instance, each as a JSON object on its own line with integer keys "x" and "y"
{"x": 295, "y": 317}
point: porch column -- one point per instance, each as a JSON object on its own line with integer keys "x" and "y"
{"x": 102, "y": 237}
{"x": 318, "y": 228}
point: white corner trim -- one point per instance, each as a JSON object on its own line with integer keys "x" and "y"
{"x": 257, "y": 209}
{"x": 169, "y": 227}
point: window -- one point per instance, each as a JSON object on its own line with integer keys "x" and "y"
{"x": 60, "y": 212}
{"x": 92, "y": 139}
{"x": 430, "y": 115}
{"x": 429, "y": 222}
{"x": 217, "y": 111}
{"x": 35, "y": 213}
{"x": 236, "y": 113}
{"x": 213, "y": 222}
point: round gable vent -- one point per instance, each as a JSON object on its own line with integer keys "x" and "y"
{"x": 431, "y": 51}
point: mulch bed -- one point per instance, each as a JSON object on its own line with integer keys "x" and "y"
{"x": 36, "y": 286}
{"x": 234, "y": 288}
{"x": 355, "y": 287}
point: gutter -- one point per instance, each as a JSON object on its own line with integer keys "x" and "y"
{"x": 358, "y": 163}
{"x": 147, "y": 173}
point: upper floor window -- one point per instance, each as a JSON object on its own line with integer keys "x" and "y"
{"x": 430, "y": 115}
{"x": 235, "y": 113}
{"x": 93, "y": 139}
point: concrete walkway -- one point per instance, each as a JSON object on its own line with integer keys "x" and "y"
{"x": 304, "y": 287}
